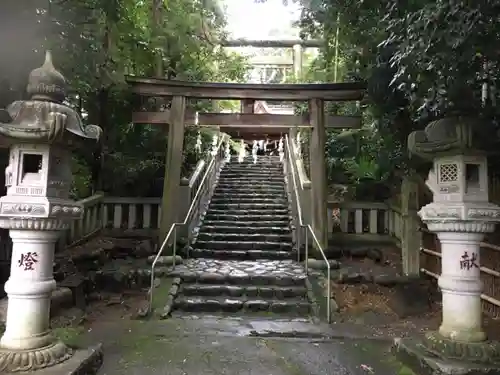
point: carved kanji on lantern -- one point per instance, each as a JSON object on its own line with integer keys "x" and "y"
{"x": 28, "y": 260}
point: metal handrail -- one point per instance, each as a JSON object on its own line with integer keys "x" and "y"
{"x": 310, "y": 229}
{"x": 173, "y": 228}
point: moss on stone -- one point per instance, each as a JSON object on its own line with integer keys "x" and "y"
{"x": 289, "y": 367}
{"x": 395, "y": 363}
{"x": 160, "y": 293}
{"x": 142, "y": 346}
{"x": 71, "y": 336}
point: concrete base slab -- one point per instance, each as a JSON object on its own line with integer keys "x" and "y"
{"x": 83, "y": 362}
{"x": 413, "y": 354}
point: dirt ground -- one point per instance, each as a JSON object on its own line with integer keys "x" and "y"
{"x": 103, "y": 307}
{"x": 372, "y": 305}
{"x": 369, "y": 306}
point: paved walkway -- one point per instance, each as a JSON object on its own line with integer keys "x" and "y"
{"x": 241, "y": 269}
{"x": 234, "y": 346}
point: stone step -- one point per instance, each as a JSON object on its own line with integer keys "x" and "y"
{"x": 247, "y": 177}
{"x": 264, "y": 157}
{"x": 261, "y": 159}
{"x": 249, "y": 291}
{"x": 251, "y": 188}
{"x": 254, "y": 169}
{"x": 226, "y": 189}
{"x": 246, "y": 237}
{"x": 236, "y": 200}
{"x": 250, "y": 181}
{"x": 237, "y": 196}
{"x": 252, "y": 175}
{"x": 199, "y": 304}
{"x": 243, "y": 182}
{"x": 238, "y": 191}
{"x": 257, "y": 187}
{"x": 219, "y": 209}
{"x": 242, "y": 254}
{"x": 233, "y": 229}
{"x": 275, "y": 170}
{"x": 269, "y": 199}
{"x": 275, "y": 207}
{"x": 242, "y": 224}
{"x": 243, "y": 245}
{"x": 246, "y": 217}
{"x": 249, "y": 161}
{"x": 271, "y": 178}
{"x": 236, "y": 272}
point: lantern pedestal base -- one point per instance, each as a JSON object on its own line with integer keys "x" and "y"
{"x": 19, "y": 360}
{"x": 79, "y": 361}
{"x": 434, "y": 354}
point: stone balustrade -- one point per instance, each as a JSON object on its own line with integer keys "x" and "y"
{"x": 370, "y": 221}
{"x": 107, "y": 212}
{"x": 131, "y": 213}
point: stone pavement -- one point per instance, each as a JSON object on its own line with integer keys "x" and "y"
{"x": 230, "y": 286}
{"x": 241, "y": 269}
{"x": 233, "y": 346}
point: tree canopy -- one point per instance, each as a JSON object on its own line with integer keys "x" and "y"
{"x": 95, "y": 44}
{"x": 422, "y": 60}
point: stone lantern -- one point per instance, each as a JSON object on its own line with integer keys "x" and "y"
{"x": 36, "y": 210}
{"x": 461, "y": 216}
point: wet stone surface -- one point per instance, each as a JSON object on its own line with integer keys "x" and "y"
{"x": 214, "y": 346}
{"x": 242, "y": 254}
{"x": 295, "y": 307}
{"x": 247, "y": 287}
{"x": 223, "y": 268}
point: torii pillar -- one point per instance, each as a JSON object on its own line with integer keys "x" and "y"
{"x": 297, "y": 74}
{"x": 319, "y": 215}
{"x": 170, "y": 204}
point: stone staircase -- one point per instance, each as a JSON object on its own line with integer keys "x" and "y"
{"x": 248, "y": 216}
{"x": 242, "y": 260}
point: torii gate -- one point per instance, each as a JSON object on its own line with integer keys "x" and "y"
{"x": 247, "y": 125}
{"x": 298, "y": 46}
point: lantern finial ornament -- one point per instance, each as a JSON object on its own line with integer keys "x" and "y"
{"x": 46, "y": 83}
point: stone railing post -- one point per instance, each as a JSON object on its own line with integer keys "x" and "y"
{"x": 411, "y": 236}
{"x": 184, "y": 203}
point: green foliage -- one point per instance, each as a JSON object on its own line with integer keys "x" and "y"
{"x": 95, "y": 44}
{"x": 422, "y": 60}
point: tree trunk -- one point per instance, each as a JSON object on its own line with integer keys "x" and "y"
{"x": 99, "y": 153}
